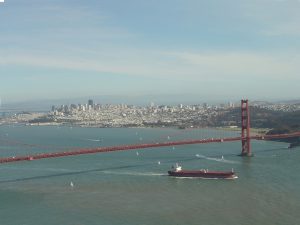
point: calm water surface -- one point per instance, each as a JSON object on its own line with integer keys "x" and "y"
{"x": 131, "y": 187}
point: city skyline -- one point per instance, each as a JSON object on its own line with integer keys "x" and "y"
{"x": 213, "y": 50}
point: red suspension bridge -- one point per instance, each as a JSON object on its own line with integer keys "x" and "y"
{"x": 245, "y": 139}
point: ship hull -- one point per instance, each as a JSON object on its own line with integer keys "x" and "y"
{"x": 203, "y": 174}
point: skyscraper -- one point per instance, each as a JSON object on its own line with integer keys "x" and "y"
{"x": 90, "y": 102}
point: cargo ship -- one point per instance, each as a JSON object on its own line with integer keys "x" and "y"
{"x": 177, "y": 171}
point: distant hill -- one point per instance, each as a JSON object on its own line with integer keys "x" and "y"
{"x": 278, "y": 121}
{"x": 262, "y": 118}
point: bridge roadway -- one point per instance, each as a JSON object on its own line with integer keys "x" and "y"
{"x": 139, "y": 146}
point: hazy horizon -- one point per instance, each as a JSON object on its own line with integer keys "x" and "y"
{"x": 56, "y": 49}
{"x": 45, "y": 104}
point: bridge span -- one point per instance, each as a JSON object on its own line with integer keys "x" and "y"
{"x": 142, "y": 146}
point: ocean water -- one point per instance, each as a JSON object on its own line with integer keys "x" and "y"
{"x": 132, "y": 187}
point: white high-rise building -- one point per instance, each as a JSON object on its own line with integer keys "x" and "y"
{"x": 231, "y": 105}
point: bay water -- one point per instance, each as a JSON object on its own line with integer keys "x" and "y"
{"x": 132, "y": 187}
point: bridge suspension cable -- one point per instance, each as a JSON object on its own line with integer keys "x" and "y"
{"x": 244, "y": 138}
{"x": 140, "y": 146}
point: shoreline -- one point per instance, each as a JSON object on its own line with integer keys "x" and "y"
{"x": 254, "y": 131}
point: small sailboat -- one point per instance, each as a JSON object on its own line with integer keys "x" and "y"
{"x": 71, "y": 184}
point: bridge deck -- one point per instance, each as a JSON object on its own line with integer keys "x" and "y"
{"x": 138, "y": 146}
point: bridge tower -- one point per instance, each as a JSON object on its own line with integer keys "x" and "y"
{"x": 245, "y": 124}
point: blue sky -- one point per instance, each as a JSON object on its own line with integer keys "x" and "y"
{"x": 212, "y": 50}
